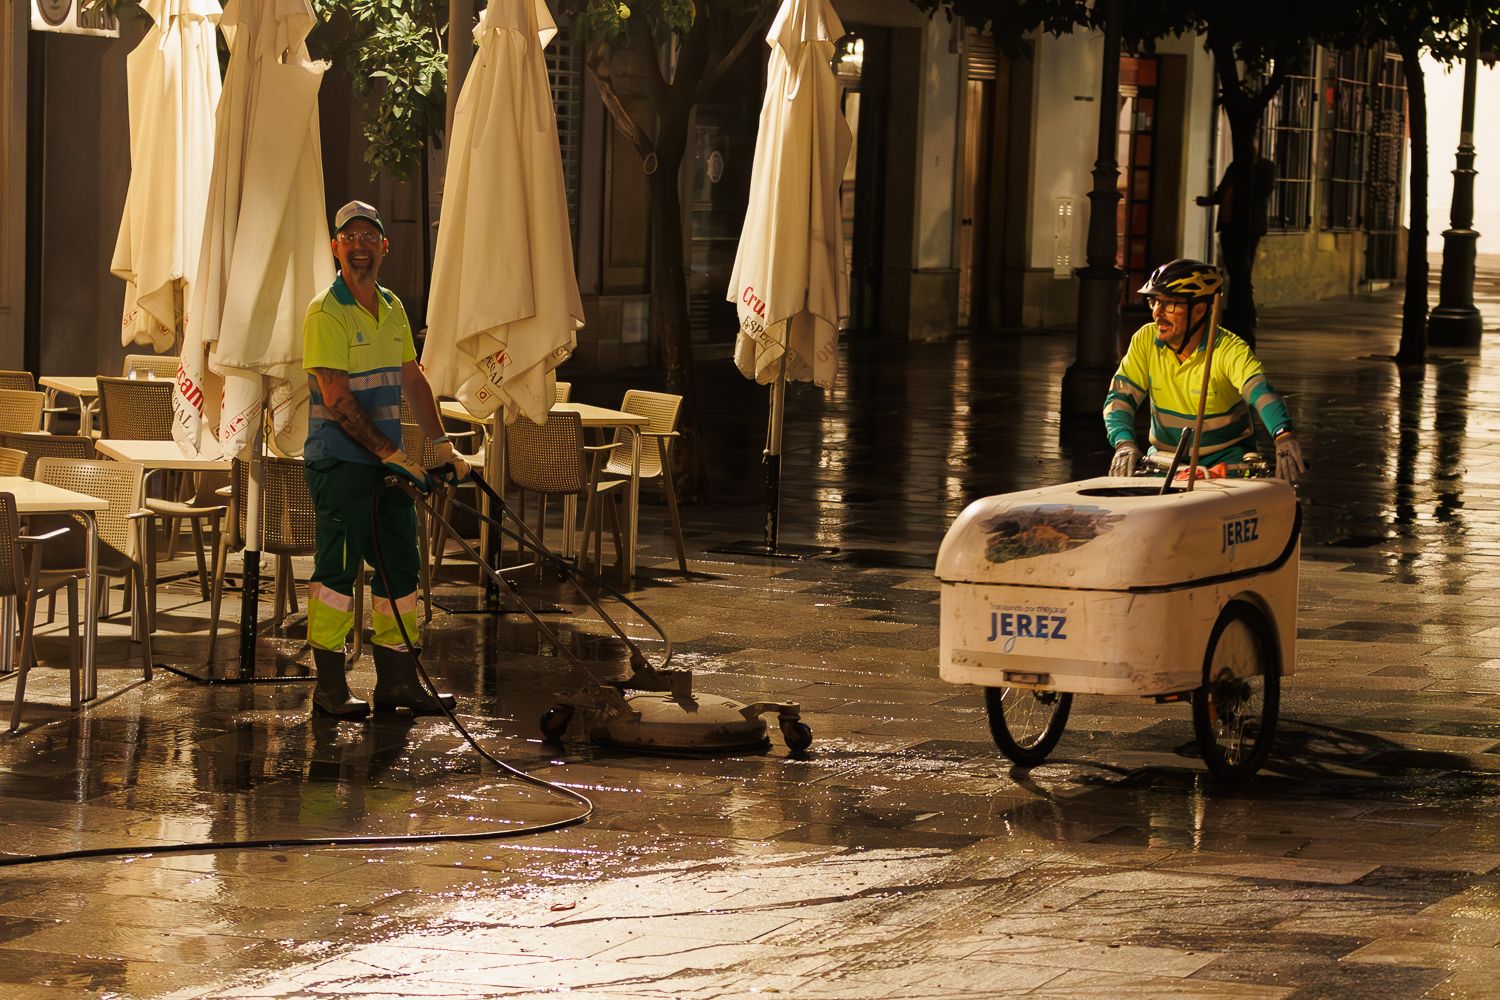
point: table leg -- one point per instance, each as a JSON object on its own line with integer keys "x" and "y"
{"x": 633, "y": 525}
{"x": 90, "y": 606}
{"x": 50, "y": 402}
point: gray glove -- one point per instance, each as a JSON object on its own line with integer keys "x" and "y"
{"x": 1127, "y": 457}
{"x": 1289, "y": 464}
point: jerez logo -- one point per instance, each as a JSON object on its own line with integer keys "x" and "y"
{"x": 1239, "y": 529}
{"x": 1010, "y": 624}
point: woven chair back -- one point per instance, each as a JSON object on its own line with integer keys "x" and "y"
{"x": 151, "y": 366}
{"x": 41, "y": 445}
{"x": 564, "y": 392}
{"x": 116, "y": 483}
{"x": 12, "y": 461}
{"x": 418, "y": 447}
{"x": 136, "y": 409}
{"x": 25, "y": 381}
{"x": 10, "y": 549}
{"x": 21, "y": 410}
{"x": 547, "y": 458}
{"x": 662, "y": 408}
{"x": 288, "y": 521}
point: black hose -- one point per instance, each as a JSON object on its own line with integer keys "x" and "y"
{"x": 388, "y": 840}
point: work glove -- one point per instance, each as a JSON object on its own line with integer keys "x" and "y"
{"x": 1289, "y": 464}
{"x": 1127, "y": 457}
{"x": 448, "y": 455}
{"x": 404, "y": 467}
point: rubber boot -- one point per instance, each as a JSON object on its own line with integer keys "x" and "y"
{"x": 398, "y": 686}
{"x": 331, "y": 696}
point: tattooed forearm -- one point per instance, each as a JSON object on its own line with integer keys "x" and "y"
{"x": 340, "y": 401}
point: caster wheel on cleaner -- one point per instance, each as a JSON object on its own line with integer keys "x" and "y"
{"x": 797, "y": 734}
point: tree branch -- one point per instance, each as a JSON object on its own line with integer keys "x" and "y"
{"x": 598, "y": 59}
{"x": 644, "y": 42}
{"x": 754, "y": 30}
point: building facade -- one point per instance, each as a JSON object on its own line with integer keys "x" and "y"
{"x": 965, "y": 202}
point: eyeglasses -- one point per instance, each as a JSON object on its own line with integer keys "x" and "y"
{"x": 1166, "y": 305}
{"x": 370, "y": 239}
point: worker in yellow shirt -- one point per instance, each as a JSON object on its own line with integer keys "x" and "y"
{"x": 1164, "y": 363}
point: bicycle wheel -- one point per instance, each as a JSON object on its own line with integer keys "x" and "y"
{"x": 1026, "y": 724}
{"x": 1234, "y": 712}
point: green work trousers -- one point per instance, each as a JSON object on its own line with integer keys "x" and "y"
{"x": 344, "y": 494}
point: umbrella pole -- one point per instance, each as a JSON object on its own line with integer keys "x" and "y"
{"x": 774, "y": 419}
{"x": 493, "y": 542}
{"x": 250, "y": 591}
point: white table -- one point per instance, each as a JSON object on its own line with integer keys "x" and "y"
{"x": 84, "y": 388}
{"x": 39, "y": 498}
{"x": 156, "y": 456}
{"x": 599, "y": 417}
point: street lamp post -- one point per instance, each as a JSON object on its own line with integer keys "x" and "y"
{"x": 1099, "y": 283}
{"x": 1455, "y": 322}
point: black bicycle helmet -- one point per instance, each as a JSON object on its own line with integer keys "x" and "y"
{"x": 1184, "y": 278}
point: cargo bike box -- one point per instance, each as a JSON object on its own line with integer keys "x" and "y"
{"x": 1109, "y": 586}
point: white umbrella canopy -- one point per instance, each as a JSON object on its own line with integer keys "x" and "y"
{"x": 265, "y": 250}
{"x": 788, "y": 282}
{"x": 504, "y": 307}
{"x": 172, "y": 78}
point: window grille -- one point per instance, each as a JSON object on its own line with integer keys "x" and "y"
{"x": 1288, "y": 136}
{"x": 565, "y": 75}
{"x": 1346, "y": 135}
{"x": 1385, "y": 166}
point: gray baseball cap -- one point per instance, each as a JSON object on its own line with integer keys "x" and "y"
{"x": 357, "y": 210}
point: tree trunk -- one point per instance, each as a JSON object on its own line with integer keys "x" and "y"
{"x": 1413, "y": 349}
{"x": 669, "y": 309}
{"x": 1236, "y": 238}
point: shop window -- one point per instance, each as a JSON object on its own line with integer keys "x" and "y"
{"x": 1346, "y": 135}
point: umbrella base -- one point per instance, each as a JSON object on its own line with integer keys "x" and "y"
{"x": 781, "y": 550}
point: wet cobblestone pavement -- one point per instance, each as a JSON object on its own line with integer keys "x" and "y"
{"x": 901, "y": 856}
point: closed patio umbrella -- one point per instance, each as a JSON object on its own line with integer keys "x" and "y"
{"x": 504, "y": 307}
{"x": 265, "y": 255}
{"x": 172, "y": 78}
{"x": 788, "y": 283}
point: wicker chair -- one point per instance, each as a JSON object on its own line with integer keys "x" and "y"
{"x": 205, "y": 508}
{"x": 662, "y": 408}
{"x": 550, "y": 459}
{"x": 121, "y": 535}
{"x": 12, "y": 461}
{"x": 564, "y": 393}
{"x": 21, "y": 585}
{"x": 288, "y": 529}
{"x": 136, "y": 409}
{"x": 151, "y": 366}
{"x": 39, "y": 444}
{"x": 21, "y": 410}
{"x": 25, "y": 381}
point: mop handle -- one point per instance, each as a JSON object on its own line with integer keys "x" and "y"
{"x": 1208, "y": 367}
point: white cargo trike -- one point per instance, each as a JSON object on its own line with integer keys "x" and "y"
{"x": 1126, "y": 586}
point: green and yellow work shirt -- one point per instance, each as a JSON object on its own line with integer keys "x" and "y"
{"x": 339, "y": 333}
{"x": 1152, "y": 369}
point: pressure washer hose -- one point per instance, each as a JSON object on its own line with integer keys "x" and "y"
{"x": 526, "y": 537}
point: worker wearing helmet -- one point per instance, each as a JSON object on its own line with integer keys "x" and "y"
{"x": 1165, "y": 363}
